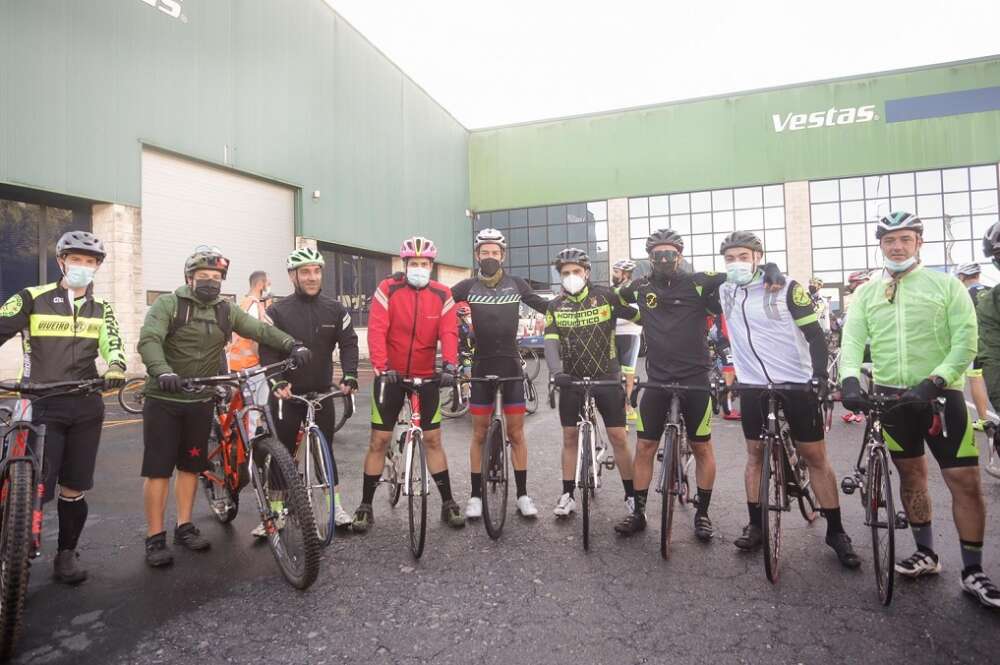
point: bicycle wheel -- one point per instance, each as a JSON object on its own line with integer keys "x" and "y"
{"x": 668, "y": 490}
{"x": 806, "y": 496}
{"x": 495, "y": 480}
{"x": 390, "y": 472}
{"x": 319, "y": 484}
{"x": 222, "y": 500}
{"x": 685, "y": 495}
{"x": 447, "y": 401}
{"x": 586, "y": 481}
{"x": 772, "y": 482}
{"x": 882, "y": 519}
{"x": 131, "y": 395}
{"x": 530, "y": 396}
{"x": 531, "y": 362}
{"x": 993, "y": 457}
{"x": 419, "y": 486}
{"x": 15, "y": 551}
{"x": 287, "y": 515}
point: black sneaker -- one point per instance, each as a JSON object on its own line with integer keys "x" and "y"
{"x": 751, "y": 540}
{"x": 157, "y": 553}
{"x": 841, "y": 544}
{"x": 452, "y": 515}
{"x": 703, "y": 528}
{"x": 364, "y": 518}
{"x": 633, "y": 523}
{"x": 189, "y": 536}
{"x": 65, "y": 570}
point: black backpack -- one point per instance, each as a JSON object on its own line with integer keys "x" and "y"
{"x": 182, "y": 316}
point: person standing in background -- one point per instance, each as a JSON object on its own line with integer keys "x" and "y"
{"x": 244, "y": 353}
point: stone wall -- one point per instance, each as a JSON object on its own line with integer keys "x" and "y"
{"x": 618, "y": 241}
{"x": 798, "y": 231}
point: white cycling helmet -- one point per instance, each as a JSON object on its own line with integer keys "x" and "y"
{"x": 491, "y": 237}
{"x": 968, "y": 270}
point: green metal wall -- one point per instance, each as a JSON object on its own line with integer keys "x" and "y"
{"x": 730, "y": 141}
{"x": 295, "y": 92}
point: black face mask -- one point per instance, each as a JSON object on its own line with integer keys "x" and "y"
{"x": 813, "y": 290}
{"x": 489, "y": 267}
{"x": 664, "y": 263}
{"x": 207, "y": 290}
{"x": 615, "y": 281}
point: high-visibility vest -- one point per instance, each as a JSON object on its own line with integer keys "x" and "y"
{"x": 243, "y": 353}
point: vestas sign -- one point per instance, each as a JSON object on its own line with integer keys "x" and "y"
{"x": 831, "y": 117}
{"x": 171, "y": 8}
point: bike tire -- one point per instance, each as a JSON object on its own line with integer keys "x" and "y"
{"x": 530, "y": 396}
{"x": 668, "y": 490}
{"x": 320, "y": 488}
{"x": 131, "y": 397}
{"x": 992, "y": 466}
{"x": 882, "y": 518}
{"x": 418, "y": 496}
{"x": 586, "y": 472}
{"x": 807, "y": 498}
{"x": 685, "y": 495}
{"x": 495, "y": 480}
{"x": 772, "y": 480}
{"x": 15, "y": 553}
{"x": 531, "y": 362}
{"x": 222, "y": 500}
{"x": 295, "y": 546}
{"x": 395, "y": 484}
{"x": 447, "y": 401}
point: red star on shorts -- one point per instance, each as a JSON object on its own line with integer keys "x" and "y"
{"x": 194, "y": 452}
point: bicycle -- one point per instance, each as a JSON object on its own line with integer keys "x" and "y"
{"x": 132, "y": 395}
{"x": 783, "y": 473}
{"x": 263, "y": 462}
{"x": 316, "y": 459}
{"x": 993, "y": 455}
{"x": 495, "y": 467}
{"x": 455, "y": 398}
{"x": 726, "y": 398}
{"x": 530, "y": 359}
{"x": 674, "y": 454}
{"x": 591, "y": 448}
{"x": 530, "y": 395}
{"x": 21, "y": 491}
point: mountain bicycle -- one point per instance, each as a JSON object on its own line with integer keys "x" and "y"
{"x": 132, "y": 395}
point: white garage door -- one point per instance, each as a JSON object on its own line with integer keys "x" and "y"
{"x": 186, "y": 204}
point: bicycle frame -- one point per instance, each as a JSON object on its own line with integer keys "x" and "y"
{"x": 675, "y": 423}
{"x": 412, "y": 388}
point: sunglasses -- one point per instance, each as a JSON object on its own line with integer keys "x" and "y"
{"x": 664, "y": 256}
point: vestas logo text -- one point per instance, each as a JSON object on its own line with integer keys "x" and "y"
{"x": 829, "y": 118}
{"x": 171, "y": 8}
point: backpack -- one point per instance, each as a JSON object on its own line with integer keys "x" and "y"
{"x": 182, "y": 316}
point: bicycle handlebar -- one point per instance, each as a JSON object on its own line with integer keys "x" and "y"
{"x": 776, "y": 387}
{"x": 491, "y": 378}
{"x": 67, "y": 387}
{"x": 192, "y": 384}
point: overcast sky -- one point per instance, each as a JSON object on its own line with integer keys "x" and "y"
{"x": 501, "y": 62}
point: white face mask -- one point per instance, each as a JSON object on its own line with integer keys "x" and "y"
{"x": 573, "y": 284}
{"x": 418, "y": 277}
{"x": 740, "y": 272}
{"x": 265, "y": 294}
{"x": 899, "y": 266}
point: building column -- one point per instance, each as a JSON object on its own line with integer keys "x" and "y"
{"x": 618, "y": 241}
{"x": 120, "y": 279}
{"x": 798, "y": 231}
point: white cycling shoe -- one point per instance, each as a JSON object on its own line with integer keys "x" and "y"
{"x": 565, "y": 506}
{"x": 341, "y": 518}
{"x": 526, "y": 506}
{"x": 474, "y": 508}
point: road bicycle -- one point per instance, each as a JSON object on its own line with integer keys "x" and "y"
{"x": 21, "y": 490}
{"x": 238, "y": 458}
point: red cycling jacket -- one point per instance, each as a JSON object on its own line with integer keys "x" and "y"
{"x": 405, "y": 325}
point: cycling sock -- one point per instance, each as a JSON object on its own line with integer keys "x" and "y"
{"x": 972, "y": 556}
{"x": 569, "y": 486}
{"x": 521, "y": 482}
{"x": 629, "y": 488}
{"x": 368, "y": 487}
{"x": 72, "y": 517}
{"x": 833, "y": 523}
{"x": 755, "y": 517}
{"x": 923, "y": 535}
{"x": 444, "y": 485}
{"x": 477, "y": 486}
{"x": 640, "y": 500}
{"x": 704, "y": 498}
{"x": 336, "y": 498}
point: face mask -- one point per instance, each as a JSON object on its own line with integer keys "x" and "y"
{"x": 573, "y": 284}
{"x": 418, "y": 277}
{"x": 739, "y": 272}
{"x": 79, "y": 277}
{"x": 265, "y": 294}
{"x": 207, "y": 290}
{"x": 489, "y": 267}
{"x": 616, "y": 281}
{"x": 899, "y": 266}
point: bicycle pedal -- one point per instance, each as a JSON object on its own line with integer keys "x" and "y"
{"x": 901, "y": 521}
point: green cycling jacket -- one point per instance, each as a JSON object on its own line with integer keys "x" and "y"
{"x": 928, "y": 329}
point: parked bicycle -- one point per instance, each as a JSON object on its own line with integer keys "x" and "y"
{"x": 993, "y": 449}
{"x": 721, "y": 358}
{"x": 132, "y": 395}
{"x": 21, "y": 491}
{"x": 454, "y": 399}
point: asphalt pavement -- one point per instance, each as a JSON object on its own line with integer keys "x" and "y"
{"x": 534, "y": 596}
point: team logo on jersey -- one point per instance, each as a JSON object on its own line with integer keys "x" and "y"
{"x": 549, "y": 318}
{"x": 800, "y": 297}
{"x": 651, "y": 300}
{"x": 12, "y": 307}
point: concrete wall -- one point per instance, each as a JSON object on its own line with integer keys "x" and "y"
{"x": 798, "y": 231}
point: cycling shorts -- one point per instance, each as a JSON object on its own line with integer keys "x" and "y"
{"x": 609, "y": 400}
{"x": 696, "y": 410}
{"x": 628, "y": 352}
{"x": 72, "y": 435}
{"x": 481, "y": 397}
{"x": 384, "y": 415}
{"x": 906, "y": 430}
{"x": 801, "y": 411}
{"x": 175, "y": 436}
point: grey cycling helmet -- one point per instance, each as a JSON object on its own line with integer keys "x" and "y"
{"x": 572, "y": 255}
{"x": 80, "y": 242}
{"x": 664, "y": 237}
{"x": 741, "y": 239}
{"x": 899, "y": 221}
{"x": 491, "y": 237}
{"x": 968, "y": 270}
{"x": 206, "y": 258}
{"x": 625, "y": 265}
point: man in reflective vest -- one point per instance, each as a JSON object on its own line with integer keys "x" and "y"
{"x": 244, "y": 353}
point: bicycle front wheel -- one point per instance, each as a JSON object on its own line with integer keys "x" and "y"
{"x": 586, "y": 481}
{"x": 454, "y": 401}
{"x": 668, "y": 490}
{"x": 418, "y": 487}
{"x": 530, "y": 396}
{"x": 15, "y": 550}
{"x": 882, "y": 519}
{"x": 286, "y": 514}
{"x": 495, "y": 480}
{"x": 532, "y": 364}
{"x": 131, "y": 395}
{"x": 319, "y": 484}
{"x": 772, "y": 483}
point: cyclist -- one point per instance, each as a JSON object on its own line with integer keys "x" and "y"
{"x": 628, "y": 335}
{"x": 968, "y": 275}
{"x": 494, "y": 299}
{"x": 323, "y": 325}
{"x": 674, "y": 304}
{"x": 183, "y": 336}
{"x": 579, "y": 342}
{"x": 820, "y": 303}
{"x": 922, "y": 331}
{"x": 776, "y": 338}
{"x": 410, "y": 315}
{"x": 78, "y": 328}
{"x": 718, "y": 340}
{"x": 855, "y": 281}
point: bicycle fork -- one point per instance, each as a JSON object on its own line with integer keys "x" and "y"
{"x": 408, "y": 453}
{"x": 581, "y": 481}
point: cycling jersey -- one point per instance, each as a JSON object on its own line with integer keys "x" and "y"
{"x": 496, "y": 311}
{"x": 928, "y": 329}
{"x": 580, "y": 332}
{"x": 62, "y": 336}
{"x": 406, "y": 323}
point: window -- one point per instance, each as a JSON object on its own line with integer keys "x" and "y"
{"x": 352, "y": 276}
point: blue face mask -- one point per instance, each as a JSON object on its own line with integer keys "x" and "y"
{"x": 899, "y": 266}
{"x": 739, "y": 272}
{"x": 79, "y": 277}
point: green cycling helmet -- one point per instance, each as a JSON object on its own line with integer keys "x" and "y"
{"x": 307, "y": 256}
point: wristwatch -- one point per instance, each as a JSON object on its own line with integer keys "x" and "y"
{"x": 939, "y": 382}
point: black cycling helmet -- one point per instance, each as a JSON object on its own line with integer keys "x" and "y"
{"x": 741, "y": 239}
{"x": 572, "y": 255}
{"x": 991, "y": 243}
{"x": 898, "y": 221}
{"x": 664, "y": 237}
{"x": 80, "y": 242}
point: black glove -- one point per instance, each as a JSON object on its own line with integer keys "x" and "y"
{"x": 562, "y": 379}
{"x": 349, "y": 381}
{"x": 850, "y": 395}
{"x": 820, "y": 385}
{"x": 448, "y": 372}
{"x": 114, "y": 378}
{"x": 300, "y": 354}
{"x": 924, "y": 391}
{"x": 389, "y": 377}
{"x": 773, "y": 275}
{"x": 169, "y": 382}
